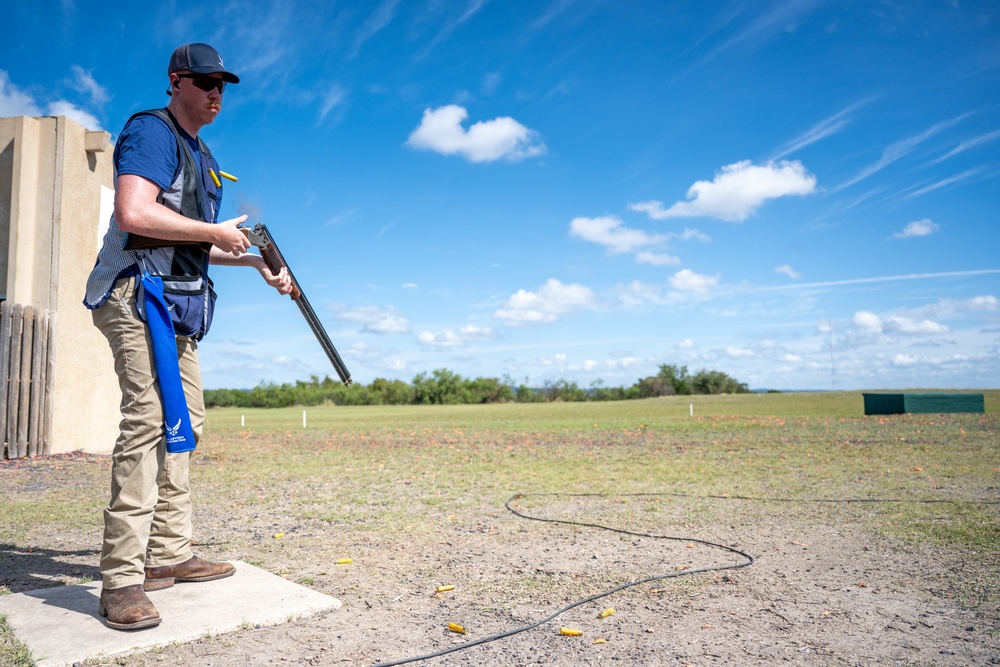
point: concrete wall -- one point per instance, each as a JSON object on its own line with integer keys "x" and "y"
{"x": 54, "y": 177}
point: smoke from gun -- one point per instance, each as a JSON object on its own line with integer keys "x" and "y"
{"x": 252, "y": 211}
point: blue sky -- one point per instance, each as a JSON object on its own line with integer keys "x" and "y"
{"x": 802, "y": 194}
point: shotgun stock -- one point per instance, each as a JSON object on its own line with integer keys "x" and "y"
{"x": 260, "y": 237}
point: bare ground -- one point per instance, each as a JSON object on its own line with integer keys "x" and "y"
{"x": 821, "y": 592}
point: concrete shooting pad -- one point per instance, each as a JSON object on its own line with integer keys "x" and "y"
{"x": 61, "y": 625}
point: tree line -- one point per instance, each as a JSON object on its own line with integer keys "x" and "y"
{"x": 444, "y": 387}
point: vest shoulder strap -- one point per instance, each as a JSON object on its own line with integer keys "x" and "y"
{"x": 193, "y": 188}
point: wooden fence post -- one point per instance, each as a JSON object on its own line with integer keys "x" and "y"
{"x": 14, "y": 375}
{"x": 24, "y": 401}
{"x": 5, "y": 317}
{"x": 50, "y": 343}
{"x": 27, "y": 338}
{"x": 38, "y": 351}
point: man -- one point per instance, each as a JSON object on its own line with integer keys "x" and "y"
{"x": 163, "y": 234}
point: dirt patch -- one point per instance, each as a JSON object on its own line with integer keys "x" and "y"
{"x": 821, "y": 592}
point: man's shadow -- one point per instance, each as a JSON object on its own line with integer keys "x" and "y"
{"x": 30, "y": 568}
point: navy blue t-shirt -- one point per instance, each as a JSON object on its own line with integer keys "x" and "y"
{"x": 147, "y": 148}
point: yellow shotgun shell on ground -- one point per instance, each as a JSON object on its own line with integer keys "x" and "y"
{"x": 455, "y": 627}
{"x": 345, "y": 561}
{"x": 572, "y": 632}
{"x": 442, "y": 589}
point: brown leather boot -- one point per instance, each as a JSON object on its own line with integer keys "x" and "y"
{"x": 193, "y": 569}
{"x": 127, "y": 608}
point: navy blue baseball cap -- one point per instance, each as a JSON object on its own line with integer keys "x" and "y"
{"x": 199, "y": 59}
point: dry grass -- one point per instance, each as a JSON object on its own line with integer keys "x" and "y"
{"x": 357, "y": 479}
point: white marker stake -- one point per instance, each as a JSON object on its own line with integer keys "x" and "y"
{"x": 691, "y": 406}
{"x": 303, "y": 419}
{"x": 242, "y": 417}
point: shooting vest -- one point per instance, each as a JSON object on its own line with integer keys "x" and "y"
{"x": 183, "y": 268}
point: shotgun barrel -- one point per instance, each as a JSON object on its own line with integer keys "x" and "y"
{"x": 260, "y": 236}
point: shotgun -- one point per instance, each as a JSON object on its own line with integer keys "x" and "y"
{"x": 259, "y": 236}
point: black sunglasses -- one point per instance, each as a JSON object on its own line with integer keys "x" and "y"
{"x": 205, "y": 82}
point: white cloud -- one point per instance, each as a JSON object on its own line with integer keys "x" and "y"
{"x": 737, "y": 352}
{"x": 791, "y": 358}
{"x": 885, "y": 279}
{"x": 987, "y": 302}
{"x": 788, "y": 271}
{"x": 638, "y": 293}
{"x": 764, "y": 25}
{"x": 609, "y": 231}
{"x": 333, "y": 98}
{"x": 450, "y": 338}
{"x": 912, "y": 327}
{"x": 473, "y": 333}
{"x": 64, "y": 108}
{"x": 736, "y": 192}
{"x": 451, "y": 25}
{"x": 900, "y": 149}
{"x": 376, "y": 320}
{"x": 924, "y": 227}
{"x": 491, "y": 82}
{"x": 552, "y": 11}
{"x": 867, "y": 321}
{"x": 904, "y": 360}
{"x": 821, "y": 130}
{"x": 970, "y": 143}
{"x": 687, "y": 280}
{"x": 692, "y": 234}
{"x": 441, "y": 131}
{"x": 657, "y": 258}
{"x": 553, "y": 300}
{"x": 15, "y": 102}
{"x": 376, "y": 358}
{"x": 686, "y": 343}
{"x": 967, "y": 175}
{"x": 559, "y": 359}
{"x": 621, "y": 363}
{"x": 446, "y": 338}
{"x": 950, "y": 308}
{"x": 83, "y": 82}
{"x": 376, "y": 22}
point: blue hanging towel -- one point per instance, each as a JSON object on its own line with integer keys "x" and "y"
{"x": 177, "y": 419}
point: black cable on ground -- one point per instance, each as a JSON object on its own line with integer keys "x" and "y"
{"x": 748, "y": 560}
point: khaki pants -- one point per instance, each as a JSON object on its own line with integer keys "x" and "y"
{"x": 148, "y": 521}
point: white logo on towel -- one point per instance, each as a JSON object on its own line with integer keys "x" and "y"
{"x": 172, "y": 431}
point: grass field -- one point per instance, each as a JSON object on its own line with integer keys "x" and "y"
{"x": 767, "y": 445}
{"x": 361, "y": 476}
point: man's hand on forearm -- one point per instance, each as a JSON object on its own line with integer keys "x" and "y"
{"x": 281, "y": 282}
